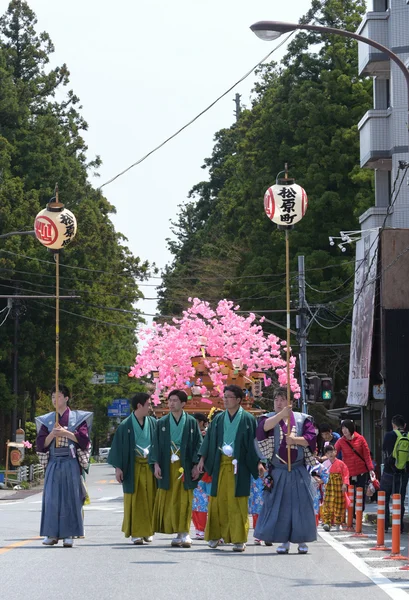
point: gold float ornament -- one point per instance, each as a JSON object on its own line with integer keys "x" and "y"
{"x": 55, "y": 226}
{"x": 16, "y": 457}
{"x": 285, "y": 203}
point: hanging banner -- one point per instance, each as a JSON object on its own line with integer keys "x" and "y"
{"x": 363, "y": 319}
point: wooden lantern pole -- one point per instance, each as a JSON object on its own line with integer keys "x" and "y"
{"x": 57, "y": 326}
{"x": 294, "y": 204}
{"x": 57, "y": 334}
{"x": 55, "y": 227}
{"x": 287, "y": 285}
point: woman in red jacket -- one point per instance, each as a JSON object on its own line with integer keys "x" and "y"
{"x": 356, "y": 456}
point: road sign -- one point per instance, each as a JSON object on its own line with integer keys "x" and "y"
{"x": 98, "y": 378}
{"x": 119, "y": 408}
{"x": 111, "y": 377}
{"x": 125, "y": 407}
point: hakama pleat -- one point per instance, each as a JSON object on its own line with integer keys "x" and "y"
{"x": 173, "y": 507}
{"x": 287, "y": 514}
{"x": 227, "y": 513}
{"x": 63, "y": 499}
{"x": 138, "y": 507}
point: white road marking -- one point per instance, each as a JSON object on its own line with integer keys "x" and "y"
{"x": 105, "y": 499}
{"x": 393, "y": 589}
{"x": 357, "y": 542}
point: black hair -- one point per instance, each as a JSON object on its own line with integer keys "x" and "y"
{"x": 63, "y": 389}
{"x": 325, "y": 428}
{"x": 282, "y": 391}
{"x": 180, "y": 394}
{"x": 139, "y": 398}
{"x": 328, "y": 448}
{"x": 350, "y": 425}
{"x": 200, "y": 417}
{"x": 399, "y": 421}
{"x": 236, "y": 390}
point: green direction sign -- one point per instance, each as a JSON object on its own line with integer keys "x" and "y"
{"x": 111, "y": 377}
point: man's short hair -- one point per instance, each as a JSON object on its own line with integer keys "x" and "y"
{"x": 399, "y": 421}
{"x": 282, "y": 391}
{"x": 139, "y": 398}
{"x": 325, "y": 428}
{"x": 63, "y": 389}
{"x": 180, "y": 394}
{"x": 200, "y": 417}
{"x": 236, "y": 390}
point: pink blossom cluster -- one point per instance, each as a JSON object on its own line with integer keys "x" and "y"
{"x": 220, "y": 334}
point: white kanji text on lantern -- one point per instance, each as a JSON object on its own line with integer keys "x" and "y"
{"x": 285, "y": 204}
{"x": 55, "y": 229}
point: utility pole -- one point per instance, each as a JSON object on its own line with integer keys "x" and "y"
{"x": 302, "y": 323}
{"x": 237, "y": 112}
{"x": 15, "y": 314}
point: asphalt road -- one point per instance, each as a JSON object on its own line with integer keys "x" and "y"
{"x": 105, "y": 565}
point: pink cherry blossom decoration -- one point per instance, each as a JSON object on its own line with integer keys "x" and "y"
{"x": 169, "y": 348}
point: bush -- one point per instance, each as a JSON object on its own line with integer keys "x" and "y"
{"x": 30, "y": 458}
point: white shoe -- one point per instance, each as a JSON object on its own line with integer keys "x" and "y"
{"x": 213, "y": 544}
{"x": 239, "y": 547}
{"x": 148, "y": 539}
{"x": 50, "y": 541}
{"x": 177, "y": 541}
{"x": 283, "y": 548}
{"x": 186, "y": 541}
{"x": 257, "y": 542}
{"x": 137, "y": 541}
{"x": 199, "y": 535}
{"x": 68, "y": 543}
{"x": 302, "y": 548}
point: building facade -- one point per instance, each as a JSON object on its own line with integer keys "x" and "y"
{"x": 384, "y": 148}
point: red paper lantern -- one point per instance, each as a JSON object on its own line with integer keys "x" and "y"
{"x": 285, "y": 204}
{"x": 55, "y": 228}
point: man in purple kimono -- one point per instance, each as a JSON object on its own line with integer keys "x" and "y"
{"x": 64, "y": 494}
{"x": 287, "y": 514}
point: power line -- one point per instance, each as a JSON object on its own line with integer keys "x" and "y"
{"x": 376, "y": 240}
{"x": 140, "y": 160}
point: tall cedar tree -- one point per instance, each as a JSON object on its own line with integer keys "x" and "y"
{"x": 305, "y": 113}
{"x": 41, "y": 143}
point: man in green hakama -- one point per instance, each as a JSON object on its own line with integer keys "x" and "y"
{"x": 129, "y": 454}
{"x": 174, "y": 455}
{"x": 229, "y": 455}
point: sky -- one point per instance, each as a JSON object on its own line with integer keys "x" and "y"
{"x": 142, "y": 70}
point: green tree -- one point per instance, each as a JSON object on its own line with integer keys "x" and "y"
{"x": 41, "y": 143}
{"x": 305, "y": 113}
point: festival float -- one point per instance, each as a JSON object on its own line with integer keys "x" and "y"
{"x": 205, "y": 350}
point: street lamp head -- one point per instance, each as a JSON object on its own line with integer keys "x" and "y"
{"x": 271, "y": 30}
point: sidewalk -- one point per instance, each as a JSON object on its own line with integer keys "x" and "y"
{"x": 371, "y": 511}
{"x": 19, "y": 494}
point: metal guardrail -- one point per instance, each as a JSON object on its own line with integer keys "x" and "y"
{"x": 29, "y": 473}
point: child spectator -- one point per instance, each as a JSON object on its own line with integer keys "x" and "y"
{"x": 333, "y": 507}
{"x": 320, "y": 476}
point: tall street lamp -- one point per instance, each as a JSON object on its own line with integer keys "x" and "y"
{"x": 271, "y": 30}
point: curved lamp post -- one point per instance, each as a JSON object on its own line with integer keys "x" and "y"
{"x": 271, "y": 30}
